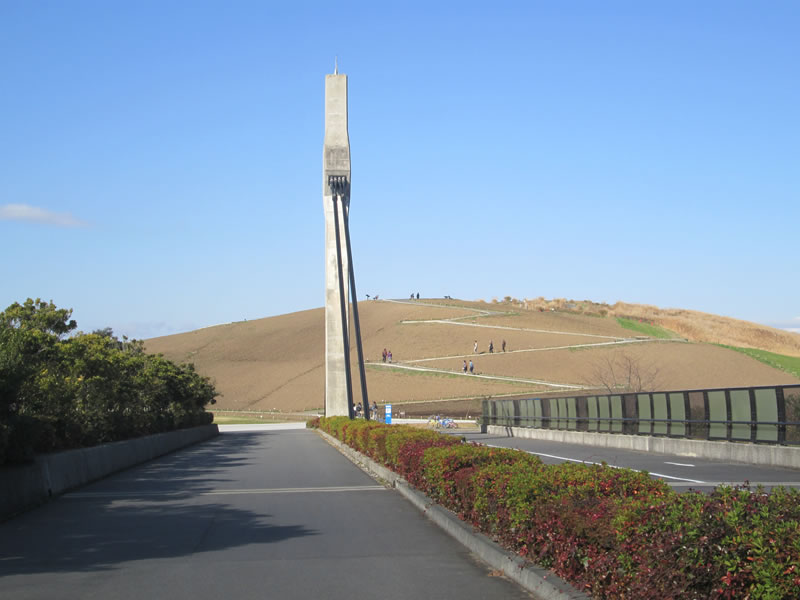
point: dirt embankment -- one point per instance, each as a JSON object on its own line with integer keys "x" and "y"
{"x": 277, "y": 363}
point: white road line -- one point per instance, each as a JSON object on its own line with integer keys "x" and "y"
{"x": 235, "y": 492}
{"x": 589, "y": 462}
{"x": 751, "y": 484}
{"x": 678, "y": 464}
{"x": 677, "y": 478}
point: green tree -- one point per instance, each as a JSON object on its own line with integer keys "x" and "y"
{"x": 59, "y": 391}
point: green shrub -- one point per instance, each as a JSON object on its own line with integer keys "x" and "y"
{"x": 615, "y": 533}
{"x": 60, "y": 392}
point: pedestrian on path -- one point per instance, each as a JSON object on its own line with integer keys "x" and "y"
{"x": 384, "y": 355}
{"x": 504, "y": 345}
{"x": 491, "y": 347}
{"x": 464, "y": 368}
{"x": 475, "y": 347}
{"x": 389, "y": 356}
{"x": 471, "y": 367}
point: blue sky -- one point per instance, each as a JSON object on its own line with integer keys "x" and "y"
{"x": 160, "y": 162}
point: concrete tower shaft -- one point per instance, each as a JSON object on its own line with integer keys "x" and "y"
{"x": 336, "y": 153}
{"x": 336, "y": 204}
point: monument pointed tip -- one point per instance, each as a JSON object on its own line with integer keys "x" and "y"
{"x": 336, "y": 65}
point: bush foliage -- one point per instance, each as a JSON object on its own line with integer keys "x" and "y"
{"x": 59, "y": 391}
{"x": 615, "y": 533}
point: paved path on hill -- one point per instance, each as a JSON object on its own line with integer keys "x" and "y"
{"x": 407, "y": 367}
{"x": 610, "y": 341}
{"x": 250, "y": 514}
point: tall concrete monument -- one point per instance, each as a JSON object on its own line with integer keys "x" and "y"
{"x": 339, "y": 277}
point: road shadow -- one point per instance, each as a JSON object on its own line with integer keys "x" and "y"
{"x": 160, "y": 509}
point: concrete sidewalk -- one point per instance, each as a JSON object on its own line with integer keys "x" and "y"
{"x": 274, "y": 513}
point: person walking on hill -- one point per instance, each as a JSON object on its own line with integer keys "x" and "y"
{"x": 491, "y": 347}
{"x": 383, "y": 356}
{"x": 471, "y": 367}
{"x": 389, "y": 356}
{"x": 475, "y": 347}
{"x": 504, "y": 345}
{"x": 464, "y": 368}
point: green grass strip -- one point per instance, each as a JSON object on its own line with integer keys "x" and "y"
{"x": 653, "y": 331}
{"x": 788, "y": 364}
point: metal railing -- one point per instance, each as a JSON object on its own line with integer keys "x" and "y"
{"x": 764, "y": 414}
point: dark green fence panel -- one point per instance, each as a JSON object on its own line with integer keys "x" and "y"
{"x": 616, "y": 414}
{"x": 572, "y": 414}
{"x": 677, "y": 413}
{"x": 537, "y": 412}
{"x": 604, "y": 405}
{"x": 741, "y": 411}
{"x": 562, "y": 413}
{"x": 645, "y": 414}
{"x": 554, "y": 422}
{"x": 502, "y": 413}
{"x": 766, "y": 410}
{"x": 717, "y": 411}
{"x": 660, "y": 414}
{"x": 526, "y": 412}
{"x": 591, "y": 406}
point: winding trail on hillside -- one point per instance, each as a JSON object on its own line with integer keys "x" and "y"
{"x": 478, "y": 313}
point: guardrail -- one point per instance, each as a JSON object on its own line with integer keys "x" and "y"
{"x": 765, "y": 415}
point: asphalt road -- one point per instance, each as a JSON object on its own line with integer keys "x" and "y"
{"x": 250, "y": 514}
{"x": 680, "y": 472}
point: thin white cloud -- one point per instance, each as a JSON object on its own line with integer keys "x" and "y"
{"x": 33, "y": 214}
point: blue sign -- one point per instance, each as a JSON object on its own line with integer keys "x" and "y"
{"x": 388, "y": 414}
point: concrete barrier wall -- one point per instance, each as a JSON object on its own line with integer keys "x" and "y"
{"x": 25, "y": 486}
{"x": 742, "y": 452}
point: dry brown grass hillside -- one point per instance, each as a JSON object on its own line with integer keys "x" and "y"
{"x": 277, "y": 363}
{"x": 692, "y": 325}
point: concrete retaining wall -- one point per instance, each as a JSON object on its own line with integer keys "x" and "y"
{"x": 25, "y": 486}
{"x": 753, "y": 454}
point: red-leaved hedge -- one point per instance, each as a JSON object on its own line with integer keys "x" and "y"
{"x": 616, "y": 533}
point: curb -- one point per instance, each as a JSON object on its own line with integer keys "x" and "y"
{"x": 540, "y": 582}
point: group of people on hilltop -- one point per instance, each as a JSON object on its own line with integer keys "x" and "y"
{"x": 471, "y": 366}
{"x": 386, "y": 356}
{"x": 413, "y": 296}
{"x": 491, "y": 347}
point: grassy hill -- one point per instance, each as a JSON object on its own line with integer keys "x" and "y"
{"x": 277, "y": 363}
